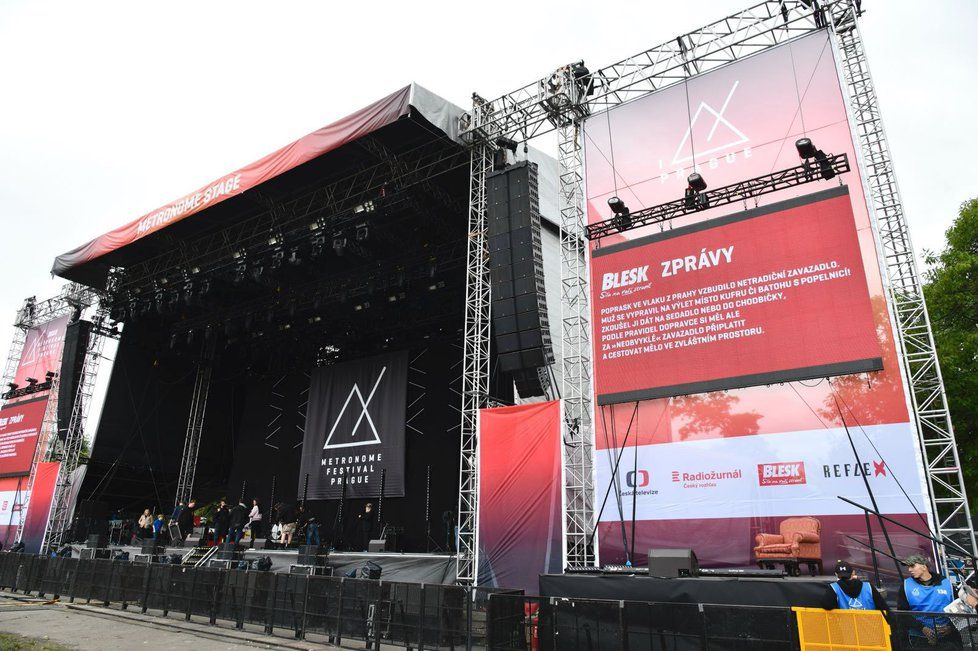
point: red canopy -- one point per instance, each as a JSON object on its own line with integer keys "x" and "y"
{"x": 317, "y": 143}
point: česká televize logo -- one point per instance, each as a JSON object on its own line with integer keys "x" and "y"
{"x": 637, "y": 478}
{"x": 784, "y": 473}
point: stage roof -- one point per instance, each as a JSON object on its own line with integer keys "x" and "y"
{"x": 210, "y": 206}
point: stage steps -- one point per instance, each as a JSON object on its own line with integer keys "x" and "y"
{"x": 195, "y": 556}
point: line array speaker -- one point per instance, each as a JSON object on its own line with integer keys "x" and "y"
{"x": 519, "y": 306}
{"x": 72, "y": 362}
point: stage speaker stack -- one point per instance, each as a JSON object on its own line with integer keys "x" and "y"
{"x": 519, "y": 306}
{"x": 380, "y": 545}
{"x": 672, "y": 563}
{"x": 312, "y": 561}
{"x": 72, "y": 362}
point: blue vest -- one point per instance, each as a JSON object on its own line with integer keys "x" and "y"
{"x": 863, "y": 602}
{"x": 929, "y": 598}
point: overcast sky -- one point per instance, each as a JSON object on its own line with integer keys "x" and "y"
{"x": 111, "y": 109}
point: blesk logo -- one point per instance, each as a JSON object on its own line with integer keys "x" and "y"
{"x": 625, "y": 278}
{"x": 781, "y": 474}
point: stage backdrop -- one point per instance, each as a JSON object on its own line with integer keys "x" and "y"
{"x": 705, "y": 331}
{"x": 355, "y": 424}
{"x": 520, "y": 532}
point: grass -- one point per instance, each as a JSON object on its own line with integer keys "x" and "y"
{"x": 13, "y": 642}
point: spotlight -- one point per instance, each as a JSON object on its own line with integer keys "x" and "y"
{"x": 582, "y": 76}
{"x": 362, "y": 232}
{"x": 805, "y": 148}
{"x": 294, "y": 258}
{"x": 696, "y": 182}
{"x": 316, "y": 245}
{"x": 12, "y": 386}
{"x": 339, "y": 244}
{"x": 49, "y": 376}
{"x": 277, "y": 256}
{"x": 31, "y": 382}
{"x": 618, "y": 206}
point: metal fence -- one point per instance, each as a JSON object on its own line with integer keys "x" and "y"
{"x": 372, "y": 613}
{"x": 523, "y": 623}
{"x": 317, "y": 608}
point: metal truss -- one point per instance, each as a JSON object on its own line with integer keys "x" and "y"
{"x": 34, "y": 313}
{"x": 949, "y": 502}
{"x": 195, "y": 424}
{"x": 575, "y": 353}
{"x": 475, "y": 359}
{"x": 734, "y": 193}
{"x": 543, "y": 105}
{"x": 326, "y": 207}
{"x": 68, "y": 450}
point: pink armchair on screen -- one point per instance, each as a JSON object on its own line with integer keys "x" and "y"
{"x": 798, "y": 542}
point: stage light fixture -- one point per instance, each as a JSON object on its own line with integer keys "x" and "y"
{"x": 278, "y": 255}
{"x": 582, "y": 76}
{"x": 696, "y": 182}
{"x": 12, "y": 386}
{"x": 507, "y": 143}
{"x": 618, "y": 206}
{"x": 339, "y": 244}
{"x": 362, "y": 232}
{"x": 49, "y": 376}
{"x": 805, "y": 147}
{"x": 31, "y": 381}
{"x": 316, "y": 245}
{"x": 294, "y": 258}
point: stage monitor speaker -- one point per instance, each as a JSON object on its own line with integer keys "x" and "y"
{"x": 380, "y": 545}
{"x": 520, "y": 325}
{"x": 72, "y": 362}
{"x": 97, "y": 541}
{"x": 260, "y": 543}
{"x": 151, "y": 547}
{"x": 672, "y": 563}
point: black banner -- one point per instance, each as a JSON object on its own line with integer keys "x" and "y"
{"x": 355, "y": 428}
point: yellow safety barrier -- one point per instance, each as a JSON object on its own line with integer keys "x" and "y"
{"x": 842, "y": 630}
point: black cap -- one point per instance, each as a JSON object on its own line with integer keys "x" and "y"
{"x": 843, "y": 570}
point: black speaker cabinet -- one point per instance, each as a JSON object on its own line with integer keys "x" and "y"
{"x": 97, "y": 541}
{"x": 672, "y": 563}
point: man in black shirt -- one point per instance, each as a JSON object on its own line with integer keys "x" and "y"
{"x": 237, "y": 519}
{"x": 851, "y": 593}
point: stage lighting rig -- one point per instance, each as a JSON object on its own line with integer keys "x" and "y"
{"x": 696, "y": 199}
{"x": 362, "y": 232}
{"x": 622, "y": 216}
{"x": 808, "y": 151}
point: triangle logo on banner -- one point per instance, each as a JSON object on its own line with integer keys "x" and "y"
{"x": 728, "y": 136}
{"x": 363, "y": 420}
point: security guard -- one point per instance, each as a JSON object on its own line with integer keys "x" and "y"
{"x": 850, "y": 593}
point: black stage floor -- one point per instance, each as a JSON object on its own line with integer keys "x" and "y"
{"x": 407, "y": 568}
{"x": 802, "y": 591}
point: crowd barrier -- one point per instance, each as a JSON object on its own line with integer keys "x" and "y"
{"x": 317, "y": 608}
{"x": 523, "y": 623}
{"x": 372, "y": 613}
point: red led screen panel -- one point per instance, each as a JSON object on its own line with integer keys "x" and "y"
{"x": 761, "y": 296}
{"x": 20, "y": 425}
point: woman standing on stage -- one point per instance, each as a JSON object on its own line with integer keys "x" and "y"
{"x": 146, "y": 525}
{"x": 254, "y": 520}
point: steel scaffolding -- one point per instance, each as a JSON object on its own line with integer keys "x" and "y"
{"x": 475, "y": 356}
{"x": 195, "y": 424}
{"x": 949, "y": 503}
{"x": 68, "y": 450}
{"x": 561, "y": 101}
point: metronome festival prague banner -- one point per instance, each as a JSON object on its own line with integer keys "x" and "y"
{"x": 733, "y": 347}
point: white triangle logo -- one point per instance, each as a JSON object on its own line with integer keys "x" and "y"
{"x": 734, "y": 135}
{"x": 364, "y": 416}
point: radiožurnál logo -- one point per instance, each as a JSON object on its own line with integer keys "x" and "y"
{"x": 781, "y": 474}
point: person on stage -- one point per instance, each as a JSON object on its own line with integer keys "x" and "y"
{"x": 146, "y": 525}
{"x": 237, "y": 519}
{"x": 158, "y": 527}
{"x": 287, "y": 516}
{"x": 186, "y": 519}
{"x": 221, "y": 522}
{"x": 367, "y": 524}
{"x": 312, "y": 531}
{"x": 850, "y": 593}
{"x": 254, "y": 521}
{"x": 928, "y": 592}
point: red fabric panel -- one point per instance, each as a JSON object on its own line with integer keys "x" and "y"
{"x": 39, "y": 507}
{"x": 304, "y": 149}
{"x": 519, "y": 495}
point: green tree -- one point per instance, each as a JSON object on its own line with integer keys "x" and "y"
{"x": 951, "y": 290}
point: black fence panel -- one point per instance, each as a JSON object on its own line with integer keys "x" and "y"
{"x": 288, "y": 602}
{"x": 9, "y": 567}
{"x": 323, "y": 607}
{"x": 206, "y": 591}
{"x": 58, "y": 577}
{"x": 156, "y": 590}
{"x": 757, "y": 628}
{"x": 947, "y": 631}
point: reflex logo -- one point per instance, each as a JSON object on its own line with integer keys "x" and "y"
{"x": 781, "y": 474}
{"x": 637, "y": 479}
{"x": 840, "y": 470}
{"x": 625, "y": 278}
